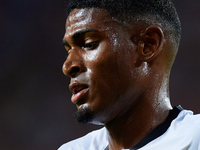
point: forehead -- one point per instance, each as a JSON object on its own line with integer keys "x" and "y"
{"x": 87, "y": 18}
{"x": 87, "y": 15}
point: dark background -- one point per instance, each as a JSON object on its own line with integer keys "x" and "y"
{"x": 35, "y": 108}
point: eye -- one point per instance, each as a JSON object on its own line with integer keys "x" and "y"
{"x": 68, "y": 49}
{"x": 91, "y": 45}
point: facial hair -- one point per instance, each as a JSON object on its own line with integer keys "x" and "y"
{"x": 84, "y": 115}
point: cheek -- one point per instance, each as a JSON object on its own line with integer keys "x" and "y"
{"x": 102, "y": 59}
{"x": 104, "y": 68}
{"x": 92, "y": 56}
{"x": 125, "y": 49}
{"x": 127, "y": 60}
{"x": 111, "y": 67}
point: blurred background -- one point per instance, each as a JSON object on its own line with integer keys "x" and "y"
{"x": 35, "y": 108}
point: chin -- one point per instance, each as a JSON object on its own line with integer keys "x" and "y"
{"x": 84, "y": 115}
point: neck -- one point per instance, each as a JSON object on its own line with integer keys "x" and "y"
{"x": 129, "y": 128}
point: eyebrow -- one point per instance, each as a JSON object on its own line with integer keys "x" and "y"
{"x": 79, "y": 33}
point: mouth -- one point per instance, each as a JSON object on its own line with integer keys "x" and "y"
{"x": 78, "y": 91}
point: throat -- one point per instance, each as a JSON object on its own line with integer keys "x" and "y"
{"x": 129, "y": 129}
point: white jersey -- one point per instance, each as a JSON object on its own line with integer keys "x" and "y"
{"x": 180, "y": 131}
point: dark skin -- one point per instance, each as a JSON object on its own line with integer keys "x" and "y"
{"x": 119, "y": 72}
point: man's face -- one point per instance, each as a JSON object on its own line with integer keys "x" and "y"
{"x": 102, "y": 65}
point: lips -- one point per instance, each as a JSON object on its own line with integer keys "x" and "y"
{"x": 78, "y": 90}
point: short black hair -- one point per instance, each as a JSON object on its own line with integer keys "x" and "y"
{"x": 161, "y": 12}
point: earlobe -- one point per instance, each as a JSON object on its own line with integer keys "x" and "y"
{"x": 151, "y": 43}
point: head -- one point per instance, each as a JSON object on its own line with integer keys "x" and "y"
{"x": 116, "y": 48}
{"x": 158, "y": 12}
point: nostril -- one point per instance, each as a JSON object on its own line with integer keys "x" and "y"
{"x": 74, "y": 71}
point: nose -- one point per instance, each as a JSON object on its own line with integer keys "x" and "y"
{"x": 74, "y": 64}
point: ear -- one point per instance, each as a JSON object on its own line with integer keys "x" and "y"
{"x": 151, "y": 43}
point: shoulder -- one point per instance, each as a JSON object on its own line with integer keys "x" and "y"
{"x": 187, "y": 118}
{"x": 185, "y": 130}
{"x": 188, "y": 122}
{"x": 183, "y": 133}
{"x": 94, "y": 140}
